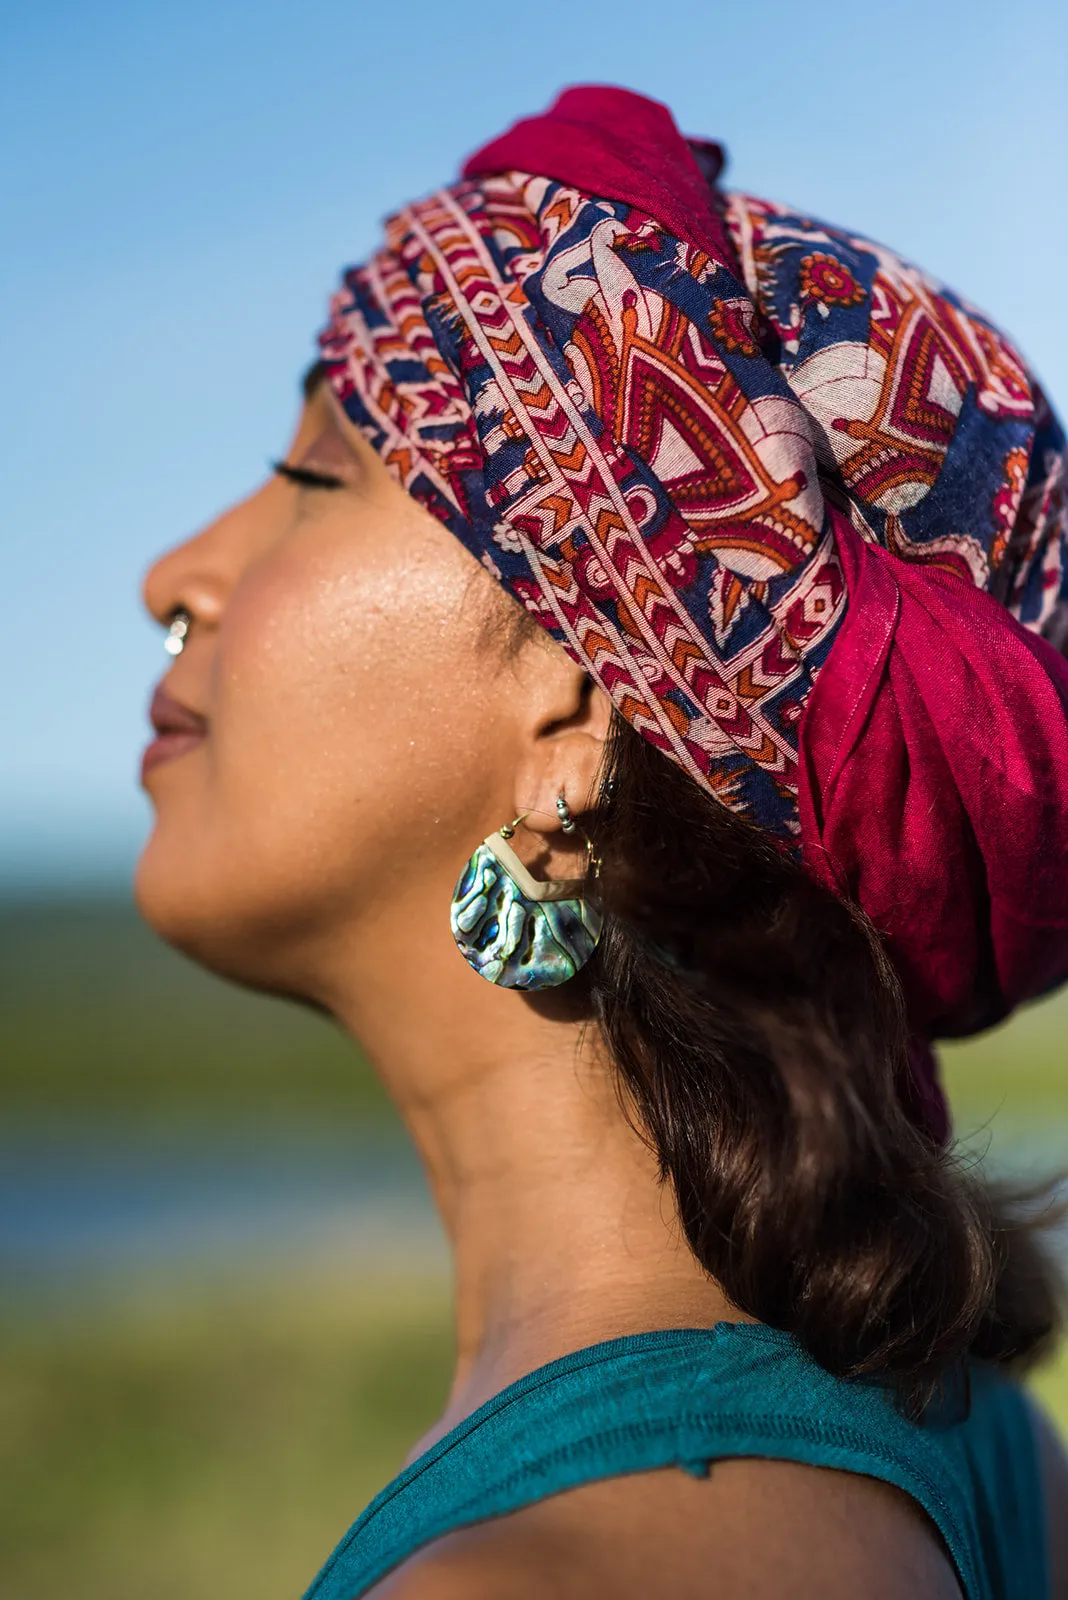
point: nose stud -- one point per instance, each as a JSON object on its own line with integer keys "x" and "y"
{"x": 174, "y": 643}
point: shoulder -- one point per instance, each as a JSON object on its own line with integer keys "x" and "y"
{"x": 1053, "y": 1463}
{"x": 765, "y": 1528}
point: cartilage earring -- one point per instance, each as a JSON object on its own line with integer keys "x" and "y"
{"x": 563, "y": 811}
{"x": 515, "y": 931}
{"x": 181, "y": 622}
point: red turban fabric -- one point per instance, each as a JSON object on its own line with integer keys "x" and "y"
{"x": 797, "y": 508}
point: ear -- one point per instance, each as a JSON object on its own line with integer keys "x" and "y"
{"x": 563, "y": 738}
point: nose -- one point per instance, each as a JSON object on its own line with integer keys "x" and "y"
{"x": 186, "y": 578}
{"x": 199, "y": 574}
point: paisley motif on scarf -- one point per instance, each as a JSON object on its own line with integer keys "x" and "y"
{"x": 795, "y": 506}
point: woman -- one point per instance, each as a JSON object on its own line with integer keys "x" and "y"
{"x": 771, "y": 768}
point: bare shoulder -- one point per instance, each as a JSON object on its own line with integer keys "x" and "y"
{"x": 763, "y": 1528}
{"x": 1054, "y": 1464}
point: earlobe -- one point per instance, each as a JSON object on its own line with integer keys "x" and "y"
{"x": 567, "y": 734}
{"x": 567, "y": 763}
{"x": 585, "y": 748}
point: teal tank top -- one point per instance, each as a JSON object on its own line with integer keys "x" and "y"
{"x": 691, "y": 1397}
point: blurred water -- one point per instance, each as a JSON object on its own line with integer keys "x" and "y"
{"x": 1018, "y": 1147}
{"x": 100, "y": 1199}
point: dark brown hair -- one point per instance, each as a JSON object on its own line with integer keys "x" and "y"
{"x": 761, "y": 1039}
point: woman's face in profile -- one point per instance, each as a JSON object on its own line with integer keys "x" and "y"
{"x": 344, "y": 669}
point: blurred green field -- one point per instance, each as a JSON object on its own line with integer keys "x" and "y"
{"x": 98, "y": 1017}
{"x": 215, "y": 1431}
{"x": 200, "y": 1439}
{"x": 1014, "y": 1075}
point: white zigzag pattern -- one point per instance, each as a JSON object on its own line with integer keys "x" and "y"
{"x": 614, "y": 503}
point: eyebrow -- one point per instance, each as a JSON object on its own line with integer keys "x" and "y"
{"x": 313, "y": 379}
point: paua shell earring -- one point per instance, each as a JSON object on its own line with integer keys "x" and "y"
{"x": 515, "y": 931}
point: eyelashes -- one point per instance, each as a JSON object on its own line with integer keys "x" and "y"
{"x": 306, "y": 477}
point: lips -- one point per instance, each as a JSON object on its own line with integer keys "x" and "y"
{"x": 178, "y": 730}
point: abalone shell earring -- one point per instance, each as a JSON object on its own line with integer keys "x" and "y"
{"x": 515, "y": 931}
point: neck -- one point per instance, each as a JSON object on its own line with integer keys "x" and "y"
{"x": 562, "y": 1233}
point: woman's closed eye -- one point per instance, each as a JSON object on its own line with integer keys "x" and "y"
{"x": 307, "y": 477}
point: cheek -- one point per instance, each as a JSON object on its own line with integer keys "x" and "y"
{"x": 354, "y": 732}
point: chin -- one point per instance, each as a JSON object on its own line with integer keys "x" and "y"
{"x": 225, "y": 918}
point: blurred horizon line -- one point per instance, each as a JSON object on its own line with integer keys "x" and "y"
{"x": 55, "y": 851}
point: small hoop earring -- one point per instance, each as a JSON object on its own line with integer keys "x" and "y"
{"x": 515, "y": 931}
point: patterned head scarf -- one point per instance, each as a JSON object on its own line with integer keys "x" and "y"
{"x": 798, "y": 510}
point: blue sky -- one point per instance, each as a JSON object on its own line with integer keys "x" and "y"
{"x": 179, "y": 186}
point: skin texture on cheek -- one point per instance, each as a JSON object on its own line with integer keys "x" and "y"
{"x": 353, "y": 674}
{"x": 355, "y": 721}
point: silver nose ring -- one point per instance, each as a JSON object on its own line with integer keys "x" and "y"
{"x": 174, "y": 643}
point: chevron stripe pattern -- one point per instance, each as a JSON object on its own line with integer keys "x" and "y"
{"x": 642, "y": 444}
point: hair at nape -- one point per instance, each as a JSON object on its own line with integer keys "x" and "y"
{"x": 760, "y": 1036}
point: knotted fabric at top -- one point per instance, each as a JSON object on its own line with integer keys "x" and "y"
{"x": 796, "y": 508}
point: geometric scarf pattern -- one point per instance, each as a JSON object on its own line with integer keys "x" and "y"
{"x": 648, "y": 442}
